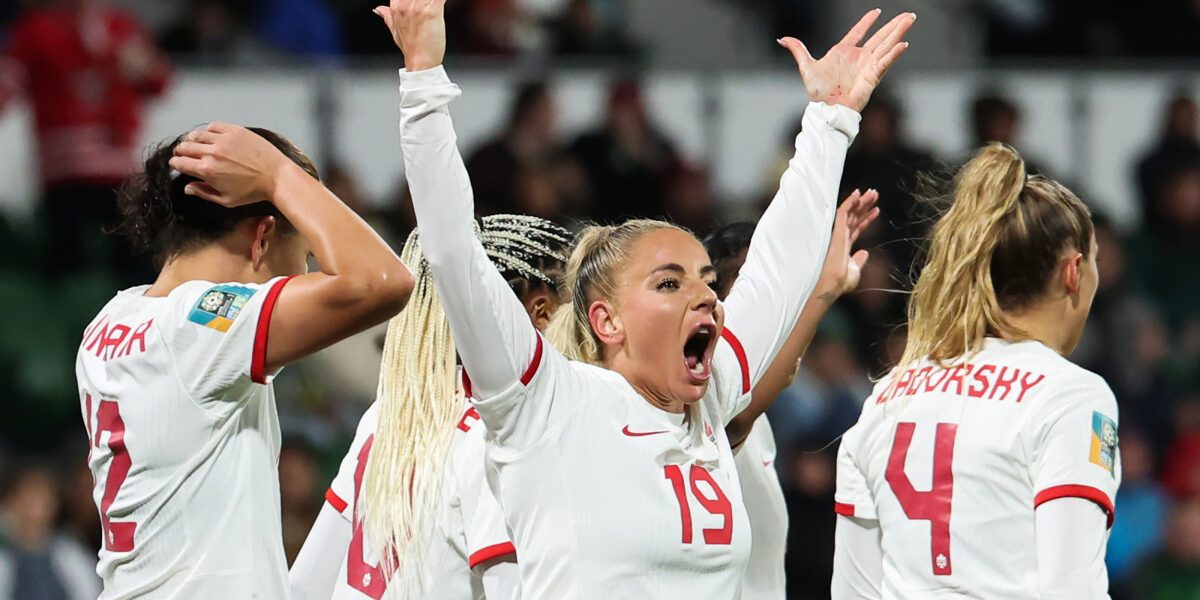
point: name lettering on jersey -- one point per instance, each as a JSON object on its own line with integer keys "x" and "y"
{"x": 1104, "y": 442}
{"x": 986, "y": 381}
{"x": 471, "y": 414}
{"x": 115, "y": 340}
{"x": 219, "y": 306}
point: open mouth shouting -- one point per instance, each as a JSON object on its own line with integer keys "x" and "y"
{"x": 698, "y": 351}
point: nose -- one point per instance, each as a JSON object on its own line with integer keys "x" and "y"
{"x": 706, "y": 299}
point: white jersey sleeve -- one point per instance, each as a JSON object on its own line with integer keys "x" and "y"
{"x": 786, "y": 252}
{"x": 485, "y": 534}
{"x": 343, "y": 491}
{"x": 220, "y": 333}
{"x": 853, "y": 497}
{"x": 1074, "y": 439}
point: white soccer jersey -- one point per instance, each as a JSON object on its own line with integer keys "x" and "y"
{"x": 767, "y": 510}
{"x": 470, "y": 529}
{"x": 184, "y": 439}
{"x": 953, "y": 462}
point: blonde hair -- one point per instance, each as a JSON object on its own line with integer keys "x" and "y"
{"x": 992, "y": 252}
{"x": 591, "y": 274}
{"x": 420, "y": 400}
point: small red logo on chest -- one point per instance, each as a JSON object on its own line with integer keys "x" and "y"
{"x": 629, "y": 433}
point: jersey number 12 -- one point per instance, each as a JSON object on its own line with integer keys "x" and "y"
{"x": 118, "y": 537}
{"x": 933, "y": 505}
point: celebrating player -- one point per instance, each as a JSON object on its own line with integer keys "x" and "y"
{"x": 614, "y": 472}
{"x": 463, "y": 550}
{"x": 755, "y": 456}
{"x": 985, "y": 465}
{"x": 174, "y": 377}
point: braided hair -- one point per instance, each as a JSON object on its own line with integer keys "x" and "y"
{"x": 419, "y": 400}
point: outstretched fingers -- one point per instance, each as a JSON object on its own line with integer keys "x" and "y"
{"x": 799, "y": 51}
{"x": 893, "y": 34}
{"x": 860, "y": 29}
{"x": 884, "y": 64}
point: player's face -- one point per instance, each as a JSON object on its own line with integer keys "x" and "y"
{"x": 287, "y": 254}
{"x": 669, "y": 314}
{"x": 1089, "y": 280}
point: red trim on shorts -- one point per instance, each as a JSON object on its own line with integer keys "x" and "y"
{"x": 1086, "y": 492}
{"x": 335, "y": 501}
{"x": 841, "y": 508}
{"x": 493, "y": 551}
{"x": 533, "y": 364}
{"x": 740, "y": 352}
{"x": 258, "y": 359}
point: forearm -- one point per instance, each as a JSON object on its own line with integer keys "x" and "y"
{"x": 857, "y": 560}
{"x": 1071, "y": 539}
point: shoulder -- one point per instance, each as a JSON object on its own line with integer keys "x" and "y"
{"x": 1067, "y": 382}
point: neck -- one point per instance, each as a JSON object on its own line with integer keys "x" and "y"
{"x": 1044, "y": 323}
{"x": 214, "y": 262}
{"x": 622, "y": 365}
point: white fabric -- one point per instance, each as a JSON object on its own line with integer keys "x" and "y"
{"x": 200, "y": 504}
{"x": 502, "y": 580}
{"x": 1071, "y": 539}
{"x": 857, "y": 560}
{"x": 471, "y": 526}
{"x": 594, "y": 511}
{"x": 765, "y": 506}
{"x": 1017, "y": 425}
{"x": 315, "y": 573}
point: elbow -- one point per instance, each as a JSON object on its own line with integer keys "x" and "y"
{"x": 380, "y": 292}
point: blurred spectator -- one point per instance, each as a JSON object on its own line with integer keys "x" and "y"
{"x": 689, "y": 199}
{"x": 580, "y": 31}
{"x": 86, "y": 69}
{"x": 876, "y": 311}
{"x": 1175, "y": 572}
{"x": 1138, "y": 533}
{"x": 1177, "y": 149}
{"x": 1181, "y": 462}
{"x": 627, "y": 159}
{"x": 1165, "y": 260}
{"x": 36, "y": 562}
{"x": 212, "y": 31}
{"x": 995, "y": 118}
{"x": 826, "y": 395}
{"x": 307, "y": 28}
{"x": 300, "y": 490}
{"x": 808, "y": 490}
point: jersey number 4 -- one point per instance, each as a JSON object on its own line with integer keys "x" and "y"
{"x": 718, "y": 504}
{"x": 118, "y": 537}
{"x": 933, "y": 505}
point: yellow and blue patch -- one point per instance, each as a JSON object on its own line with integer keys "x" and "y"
{"x": 220, "y": 306}
{"x": 1104, "y": 442}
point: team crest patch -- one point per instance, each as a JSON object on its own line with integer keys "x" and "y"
{"x": 219, "y": 306}
{"x": 1104, "y": 442}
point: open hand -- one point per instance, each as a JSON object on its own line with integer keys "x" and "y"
{"x": 419, "y": 29}
{"x": 849, "y": 73}
{"x": 842, "y": 269}
{"x": 235, "y": 166}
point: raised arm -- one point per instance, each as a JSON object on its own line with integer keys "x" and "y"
{"x": 492, "y": 331}
{"x": 790, "y": 242}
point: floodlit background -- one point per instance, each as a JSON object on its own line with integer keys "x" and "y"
{"x": 594, "y": 110}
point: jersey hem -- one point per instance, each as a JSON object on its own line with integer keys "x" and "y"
{"x": 1085, "y": 492}
{"x": 258, "y": 360}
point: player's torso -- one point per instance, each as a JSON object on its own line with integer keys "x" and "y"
{"x": 188, "y": 492}
{"x": 767, "y": 511}
{"x": 623, "y": 502}
{"x": 946, "y": 456}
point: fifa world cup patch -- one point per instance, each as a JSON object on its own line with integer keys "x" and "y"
{"x": 1104, "y": 442}
{"x": 219, "y": 306}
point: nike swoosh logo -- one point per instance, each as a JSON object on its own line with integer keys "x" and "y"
{"x": 629, "y": 433}
{"x": 768, "y": 463}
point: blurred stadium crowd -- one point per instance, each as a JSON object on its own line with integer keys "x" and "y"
{"x": 1143, "y": 337}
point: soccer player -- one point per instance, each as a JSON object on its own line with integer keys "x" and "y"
{"x": 464, "y": 551}
{"x": 985, "y": 464}
{"x": 175, "y": 377}
{"x": 754, "y": 453}
{"x": 614, "y": 471}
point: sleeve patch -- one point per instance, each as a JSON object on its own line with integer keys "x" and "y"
{"x": 1104, "y": 442}
{"x": 220, "y": 306}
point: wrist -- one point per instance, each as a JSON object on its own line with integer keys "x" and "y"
{"x": 418, "y": 63}
{"x": 283, "y": 176}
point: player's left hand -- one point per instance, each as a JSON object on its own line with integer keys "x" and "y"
{"x": 843, "y": 268}
{"x": 849, "y": 73}
{"x": 419, "y": 29}
{"x": 235, "y": 165}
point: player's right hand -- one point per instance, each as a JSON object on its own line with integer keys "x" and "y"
{"x": 235, "y": 166}
{"x": 419, "y": 29}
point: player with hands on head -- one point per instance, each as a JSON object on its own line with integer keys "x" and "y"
{"x": 985, "y": 464}
{"x": 755, "y": 456}
{"x": 613, "y": 469}
{"x": 175, "y": 377}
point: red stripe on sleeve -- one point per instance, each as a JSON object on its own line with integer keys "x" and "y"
{"x": 335, "y": 501}
{"x": 258, "y": 360}
{"x": 533, "y": 364}
{"x": 494, "y": 551}
{"x": 1086, "y": 492}
{"x": 846, "y": 510}
{"x": 740, "y": 352}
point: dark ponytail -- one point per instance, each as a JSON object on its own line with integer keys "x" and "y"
{"x": 157, "y": 218}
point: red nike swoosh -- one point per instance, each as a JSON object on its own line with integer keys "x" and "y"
{"x": 629, "y": 433}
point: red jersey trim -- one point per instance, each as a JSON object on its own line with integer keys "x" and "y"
{"x": 841, "y": 508}
{"x": 466, "y": 383}
{"x": 1086, "y": 492}
{"x": 335, "y": 501}
{"x": 527, "y": 376}
{"x": 493, "y": 551}
{"x": 740, "y": 352}
{"x": 258, "y": 360}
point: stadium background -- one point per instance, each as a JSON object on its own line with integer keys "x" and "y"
{"x": 594, "y": 109}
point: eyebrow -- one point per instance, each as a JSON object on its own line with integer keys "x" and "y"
{"x": 676, "y": 268}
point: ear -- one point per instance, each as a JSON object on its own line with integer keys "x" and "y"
{"x": 263, "y": 227}
{"x": 540, "y": 309}
{"x": 1072, "y": 272}
{"x": 606, "y": 324}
